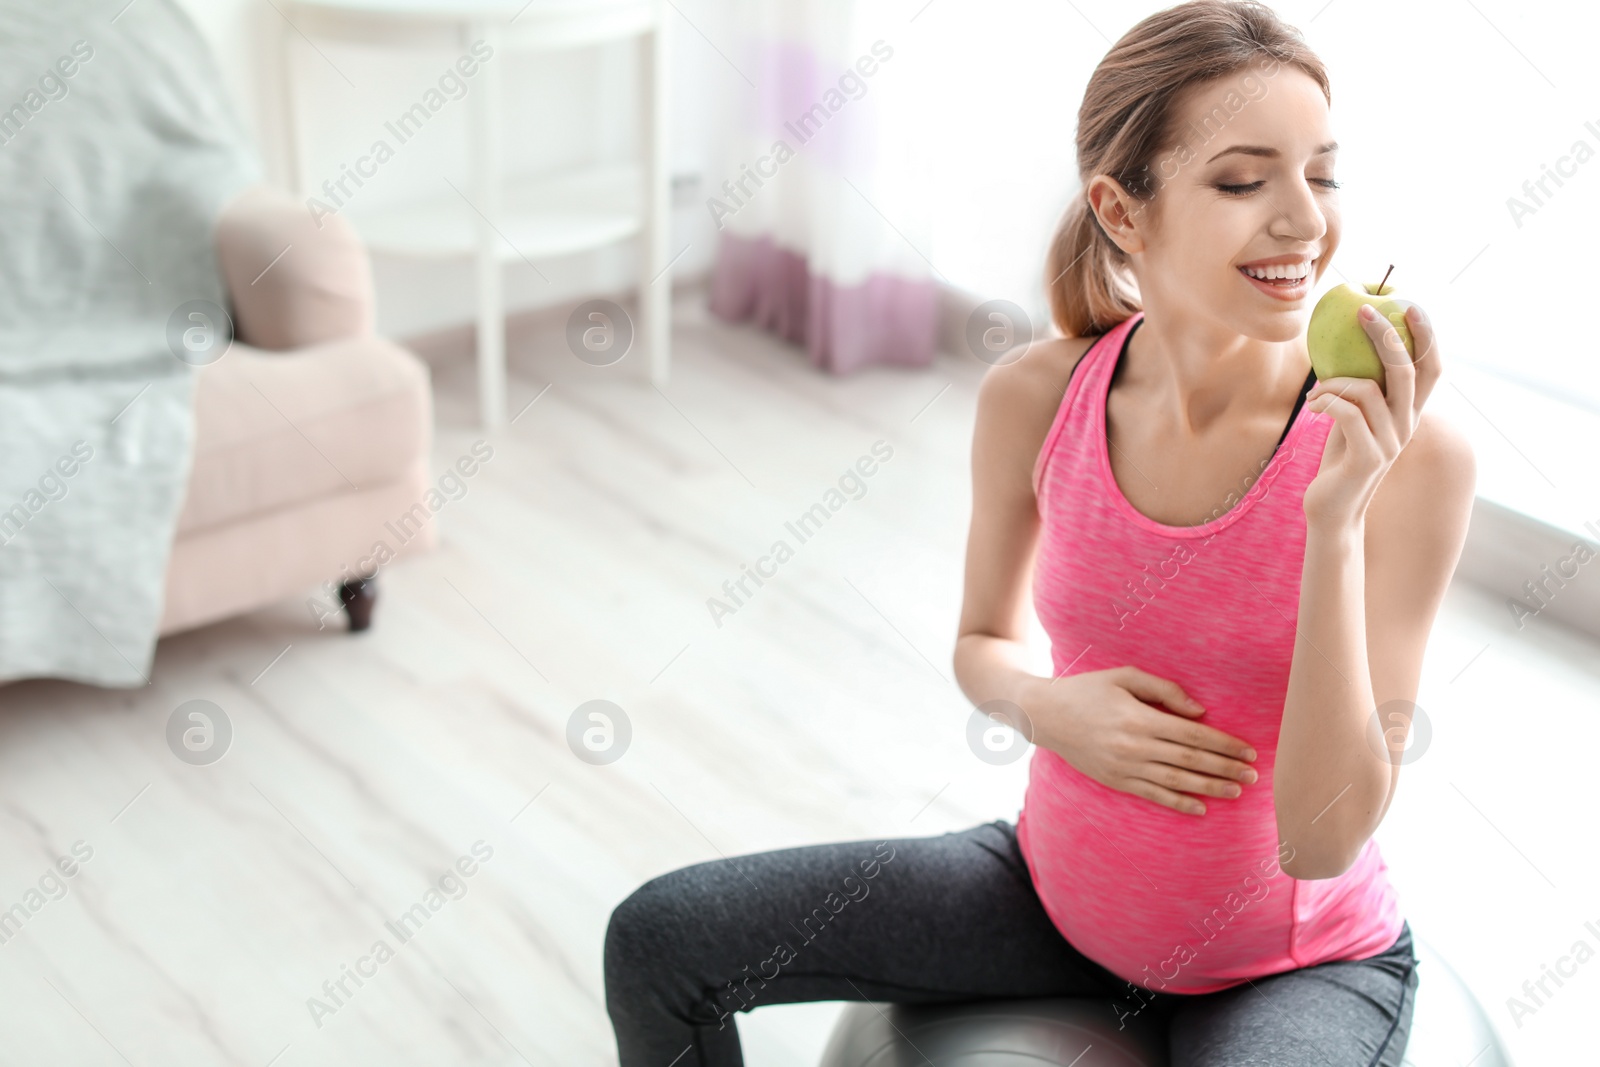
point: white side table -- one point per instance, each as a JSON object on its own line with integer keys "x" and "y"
{"x": 497, "y": 222}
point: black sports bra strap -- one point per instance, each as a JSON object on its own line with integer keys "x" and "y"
{"x": 1311, "y": 380}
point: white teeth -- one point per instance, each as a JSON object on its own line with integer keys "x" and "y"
{"x": 1283, "y": 270}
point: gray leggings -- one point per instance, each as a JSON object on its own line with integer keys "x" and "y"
{"x": 946, "y": 918}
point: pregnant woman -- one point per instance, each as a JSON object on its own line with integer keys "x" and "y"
{"x": 1238, "y": 567}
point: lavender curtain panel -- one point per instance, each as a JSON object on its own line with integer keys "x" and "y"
{"x": 824, "y": 226}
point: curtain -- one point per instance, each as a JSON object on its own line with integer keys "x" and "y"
{"x": 823, "y": 218}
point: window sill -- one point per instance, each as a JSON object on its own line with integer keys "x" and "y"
{"x": 1537, "y": 494}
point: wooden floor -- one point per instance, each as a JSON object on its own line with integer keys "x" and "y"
{"x": 217, "y": 900}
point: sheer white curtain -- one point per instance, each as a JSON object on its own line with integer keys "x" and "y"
{"x": 822, "y": 203}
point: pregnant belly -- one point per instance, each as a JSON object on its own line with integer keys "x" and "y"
{"x": 1173, "y": 902}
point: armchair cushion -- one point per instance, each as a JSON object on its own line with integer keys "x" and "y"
{"x": 277, "y": 430}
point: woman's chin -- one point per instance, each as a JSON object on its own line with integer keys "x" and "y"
{"x": 1286, "y": 325}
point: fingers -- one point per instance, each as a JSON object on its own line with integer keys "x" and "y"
{"x": 1165, "y": 797}
{"x": 1177, "y": 757}
{"x": 1178, "y": 788}
{"x": 1353, "y": 421}
{"x": 1386, "y": 410}
{"x": 1181, "y": 781}
{"x": 1199, "y": 736}
{"x": 1428, "y": 364}
{"x": 1386, "y": 339}
{"x": 1153, "y": 690}
{"x": 1400, "y": 375}
{"x": 1200, "y": 761}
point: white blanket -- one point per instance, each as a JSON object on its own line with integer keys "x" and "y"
{"x": 117, "y": 150}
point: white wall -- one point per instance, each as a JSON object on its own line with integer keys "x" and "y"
{"x": 560, "y": 109}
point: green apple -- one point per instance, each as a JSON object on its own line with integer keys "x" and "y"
{"x": 1337, "y": 342}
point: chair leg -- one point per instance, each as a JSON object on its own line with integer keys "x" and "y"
{"x": 358, "y": 596}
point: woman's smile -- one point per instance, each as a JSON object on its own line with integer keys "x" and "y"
{"x": 1283, "y": 281}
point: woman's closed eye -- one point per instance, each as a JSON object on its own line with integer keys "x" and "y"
{"x": 1247, "y": 189}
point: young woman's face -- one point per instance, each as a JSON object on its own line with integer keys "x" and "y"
{"x": 1251, "y": 184}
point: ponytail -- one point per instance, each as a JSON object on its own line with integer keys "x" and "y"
{"x": 1089, "y": 284}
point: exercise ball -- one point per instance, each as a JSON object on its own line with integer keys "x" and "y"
{"x": 1055, "y": 1032}
{"x": 1448, "y": 1026}
{"x": 1448, "y": 1029}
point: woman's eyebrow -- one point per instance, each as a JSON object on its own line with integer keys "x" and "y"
{"x": 1267, "y": 152}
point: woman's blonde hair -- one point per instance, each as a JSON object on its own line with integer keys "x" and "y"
{"x": 1127, "y": 118}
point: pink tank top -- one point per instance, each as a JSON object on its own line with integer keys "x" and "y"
{"x": 1175, "y": 902}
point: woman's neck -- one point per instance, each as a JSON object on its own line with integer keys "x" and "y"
{"x": 1197, "y": 375}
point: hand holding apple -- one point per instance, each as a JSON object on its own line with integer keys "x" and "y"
{"x": 1374, "y": 418}
{"x": 1337, "y": 342}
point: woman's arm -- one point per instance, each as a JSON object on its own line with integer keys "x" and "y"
{"x": 1017, "y": 403}
{"x": 1372, "y": 583}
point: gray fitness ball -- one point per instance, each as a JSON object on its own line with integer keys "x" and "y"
{"x": 1448, "y": 1029}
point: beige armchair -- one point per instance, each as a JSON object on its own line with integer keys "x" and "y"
{"x": 312, "y": 434}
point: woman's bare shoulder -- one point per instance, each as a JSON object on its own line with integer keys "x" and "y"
{"x": 1018, "y": 401}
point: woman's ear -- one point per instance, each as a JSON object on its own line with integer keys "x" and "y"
{"x": 1121, "y": 215}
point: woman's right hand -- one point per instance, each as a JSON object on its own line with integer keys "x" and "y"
{"x": 1104, "y": 724}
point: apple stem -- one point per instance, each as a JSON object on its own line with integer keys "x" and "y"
{"x": 1385, "y": 277}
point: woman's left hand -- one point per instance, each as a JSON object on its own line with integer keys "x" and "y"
{"x": 1372, "y": 424}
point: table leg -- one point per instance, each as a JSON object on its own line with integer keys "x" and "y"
{"x": 655, "y": 277}
{"x": 294, "y": 158}
{"x": 486, "y": 185}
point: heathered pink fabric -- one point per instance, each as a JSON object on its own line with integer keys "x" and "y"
{"x": 1176, "y": 902}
